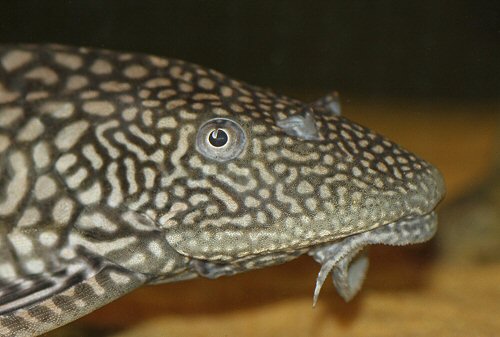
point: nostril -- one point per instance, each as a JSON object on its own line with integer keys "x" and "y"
{"x": 302, "y": 125}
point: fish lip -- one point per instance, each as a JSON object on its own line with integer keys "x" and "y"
{"x": 328, "y": 239}
{"x": 426, "y": 219}
{"x": 432, "y": 216}
{"x": 337, "y": 257}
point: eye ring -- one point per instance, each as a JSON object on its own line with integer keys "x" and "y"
{"x": 220, "y": 139}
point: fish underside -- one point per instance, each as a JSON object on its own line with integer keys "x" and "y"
{"x": 121, "y": 169}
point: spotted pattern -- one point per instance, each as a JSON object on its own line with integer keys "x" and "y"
{"x": 102, "y": 188}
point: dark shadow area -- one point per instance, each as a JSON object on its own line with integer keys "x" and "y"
{"x": 418, "y": 49}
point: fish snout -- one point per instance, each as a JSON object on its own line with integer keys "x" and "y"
{"x": 436, "y": 188}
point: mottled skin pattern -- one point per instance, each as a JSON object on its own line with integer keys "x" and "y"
{"x": 109, "y": 179}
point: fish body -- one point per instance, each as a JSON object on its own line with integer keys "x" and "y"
{"x": 121, "y": 169}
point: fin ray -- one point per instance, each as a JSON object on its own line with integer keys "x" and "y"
{"x": 56, "y": 300}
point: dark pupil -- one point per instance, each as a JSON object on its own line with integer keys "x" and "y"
{"x": 218, "y": 138}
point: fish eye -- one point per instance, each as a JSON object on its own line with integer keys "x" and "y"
{"x": 220, "y": 139}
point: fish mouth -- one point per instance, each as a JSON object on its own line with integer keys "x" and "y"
{"x": 347, "y": 262}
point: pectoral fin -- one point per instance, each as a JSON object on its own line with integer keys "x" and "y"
{"x": 34, "y": 305}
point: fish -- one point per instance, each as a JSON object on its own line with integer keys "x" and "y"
{"x": 119, "y": 170}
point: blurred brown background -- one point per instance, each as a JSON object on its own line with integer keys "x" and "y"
{"x": 424, "y": 73}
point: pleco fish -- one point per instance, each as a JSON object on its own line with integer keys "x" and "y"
{"x": 119, "y": 170}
